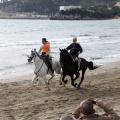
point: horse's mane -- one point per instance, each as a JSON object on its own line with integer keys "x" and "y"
{"x": 69, "y": 56}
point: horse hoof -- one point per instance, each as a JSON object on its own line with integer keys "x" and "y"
{"x": 75, "y": 85}
{"x": 61, "y": 83}
{"x": 78, "y": 87}
{"x": 48, "y": 89}
{"x": 65, "y": 81}
{"x": 32, "y": 82}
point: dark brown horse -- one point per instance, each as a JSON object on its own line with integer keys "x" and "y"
{"x": 68, "y": 67}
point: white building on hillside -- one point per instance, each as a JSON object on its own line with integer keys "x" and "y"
{"x": 117, "y": 4}
{"x": 64, "y": 8}
{"x": 2, "y": 1}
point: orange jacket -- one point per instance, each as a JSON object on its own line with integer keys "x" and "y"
{"x": 46, "y": 47}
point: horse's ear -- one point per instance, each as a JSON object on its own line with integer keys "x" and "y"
{"x": 32, "y": 50}
{"x": 60, "y": 49}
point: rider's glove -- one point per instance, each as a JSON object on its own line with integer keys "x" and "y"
{"x": 65, "y": 48}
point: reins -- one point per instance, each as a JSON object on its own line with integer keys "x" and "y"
{"x": 41, "y": 65}
{"x": 39, "y": 69}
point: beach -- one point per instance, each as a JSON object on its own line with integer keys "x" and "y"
{"x": 22, "y": 100}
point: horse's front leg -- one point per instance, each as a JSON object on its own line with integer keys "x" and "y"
{"x": 46, "y": 82}
{"x": 34, "y": 80}
{"x": 52, "y": 75}
{"x": 72, "y": 81}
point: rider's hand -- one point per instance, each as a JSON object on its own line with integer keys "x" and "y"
{"x": 65, "y": 48}
{"x": 44, "y": 55}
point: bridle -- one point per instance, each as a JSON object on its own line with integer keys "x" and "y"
{"x": 30, "y": 58}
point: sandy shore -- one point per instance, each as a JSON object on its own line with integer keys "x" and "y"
{"x": 21, "y": 100}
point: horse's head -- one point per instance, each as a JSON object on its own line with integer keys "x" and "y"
{"x": 32, "y": 56}
{"x": 64, "y": 56}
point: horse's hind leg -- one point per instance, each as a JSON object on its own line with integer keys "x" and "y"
{"x": 46, "y": 82}
{"x": 82, "y": 78}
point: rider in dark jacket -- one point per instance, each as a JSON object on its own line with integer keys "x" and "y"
{"x": 75, "y": 49}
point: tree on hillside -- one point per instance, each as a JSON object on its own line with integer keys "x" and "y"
{"x": 49, "y": 6}
{"x": 116, "y": 11}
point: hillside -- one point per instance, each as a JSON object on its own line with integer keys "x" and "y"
{"x": 49, "y": 6}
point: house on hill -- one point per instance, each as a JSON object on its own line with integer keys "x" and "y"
{"x": 117, "y": 4}
{"x": 2, "y": 1}
{"x": 64, "y": 8}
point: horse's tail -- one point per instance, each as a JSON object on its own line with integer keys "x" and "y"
{"x": 91, "y": 66}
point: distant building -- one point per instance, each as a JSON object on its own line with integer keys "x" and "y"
{"x": 2, "y": 1}
{"x": 64, "y": 8}
{"x": 117, "y": 4}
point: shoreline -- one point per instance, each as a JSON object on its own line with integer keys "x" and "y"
{"x": 48, "y": 18}
{"x": 111, "y": 66}
{"x": 26, "y": 18}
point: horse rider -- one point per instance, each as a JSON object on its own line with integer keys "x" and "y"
{"x": 45, "y": 52}
{"x": 75, "y": 49}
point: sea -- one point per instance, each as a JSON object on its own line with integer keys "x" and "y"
{"x": 100, "y": 40}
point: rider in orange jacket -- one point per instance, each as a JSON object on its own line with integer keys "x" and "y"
{"x": 45, "y": 52}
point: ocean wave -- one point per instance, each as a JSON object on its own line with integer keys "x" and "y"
{"x": 13, "y": 67}
{"x": 96, "y": 58}
{"x": 18, "y": 40}
{"x": 16, "y": 44}
{"x": 85, "y": 35}
{"x": 105, "y": 36}
{"x": 72, "y": 36}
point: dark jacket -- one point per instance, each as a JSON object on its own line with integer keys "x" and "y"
{"x": 75, "y": 49}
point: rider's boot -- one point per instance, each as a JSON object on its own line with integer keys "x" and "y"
{"x": 50, "y": 66}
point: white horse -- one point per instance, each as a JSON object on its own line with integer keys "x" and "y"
{"x": 41, "y": 69}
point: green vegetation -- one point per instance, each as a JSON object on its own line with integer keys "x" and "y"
{"x": 48, "y": 7}
{"x": 116, "y": 11}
